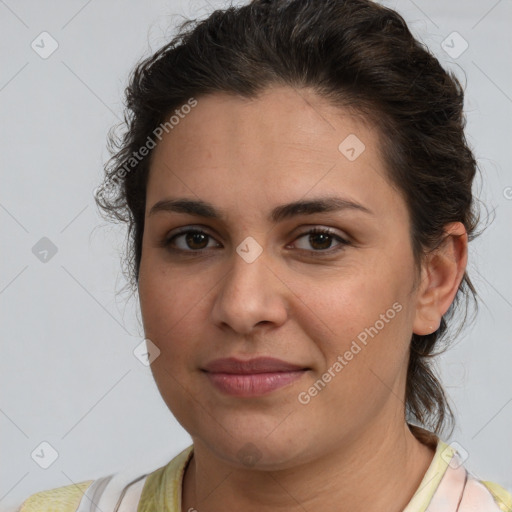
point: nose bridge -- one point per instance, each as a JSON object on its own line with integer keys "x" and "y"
{"x": 249, "y": 294}
{"x": 248, "y": 268}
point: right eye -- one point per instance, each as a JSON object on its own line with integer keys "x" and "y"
{"x": 190, "y": 240}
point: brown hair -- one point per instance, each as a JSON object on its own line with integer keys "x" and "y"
{"x": 355, "y": 53}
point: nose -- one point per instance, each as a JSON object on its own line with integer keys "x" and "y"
{"x": 250, "y": 296}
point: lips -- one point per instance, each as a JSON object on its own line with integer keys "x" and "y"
{"x": 252, "y": 366}
{"x": 252, "y": 378}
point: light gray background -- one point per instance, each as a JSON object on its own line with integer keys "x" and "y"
{"x": 68, "y": 373}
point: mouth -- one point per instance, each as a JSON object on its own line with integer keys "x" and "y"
{"x": 255, "y": 377}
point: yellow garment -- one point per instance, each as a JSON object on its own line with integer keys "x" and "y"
{"x": 502, "y": 497}
{"x": 432, "y": 478}
{"x": 61, "y": 499}
{"x": 162, "y": 488}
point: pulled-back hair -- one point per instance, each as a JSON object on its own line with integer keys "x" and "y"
{"x": 358, "y": 55}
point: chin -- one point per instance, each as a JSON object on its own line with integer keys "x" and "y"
{"x": 254, "y": 450}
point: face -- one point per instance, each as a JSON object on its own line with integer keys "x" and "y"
{"x": 325, "y": 284}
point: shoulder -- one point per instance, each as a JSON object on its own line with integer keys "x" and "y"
{"x": 467, "y": 490}
{"x": 119, "y": 491}
{"x": 125, "y": 491}
{"x": 501, "y": 496}
{"x": 163, "y": 487}
{"x": 60, "y": 499}
{"x": 449, "y": 485}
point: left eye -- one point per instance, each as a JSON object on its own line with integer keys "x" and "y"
{"x": 320, "y": 240}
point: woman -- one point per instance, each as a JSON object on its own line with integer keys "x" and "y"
{"x": 297, "y": 187}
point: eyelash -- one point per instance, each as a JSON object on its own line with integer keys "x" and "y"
{"x": 166, "y": 243}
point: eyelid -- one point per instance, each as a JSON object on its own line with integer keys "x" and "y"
{"x": 316, "y": 228}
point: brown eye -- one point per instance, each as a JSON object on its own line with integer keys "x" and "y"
{"x": 196, "y": 240}
{"x": 320, "y": 240}
{"x": 192, "y": 240}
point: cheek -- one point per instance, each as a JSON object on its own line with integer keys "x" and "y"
{"x": 165, "y": 294}
{"x": 173, "y": 303}
{"x": 347, "y": 305}
{"x": 170, "y": 306}
{"x": 365, "y": 319}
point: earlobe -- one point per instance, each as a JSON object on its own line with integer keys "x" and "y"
{"x": 441, "y": 275}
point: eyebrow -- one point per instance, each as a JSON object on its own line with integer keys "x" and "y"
{"x": 279, "y": 213}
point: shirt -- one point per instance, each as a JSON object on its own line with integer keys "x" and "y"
{"x": 447, "y": 486}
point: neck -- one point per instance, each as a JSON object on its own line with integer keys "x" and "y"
{"x": 377, "y": 471}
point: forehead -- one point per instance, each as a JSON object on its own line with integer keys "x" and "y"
{"x": 278, "y": 147}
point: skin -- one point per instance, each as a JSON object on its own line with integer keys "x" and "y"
{"x": 349, "y": 448}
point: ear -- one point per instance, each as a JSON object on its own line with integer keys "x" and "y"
{"x": 441, "y": 275}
